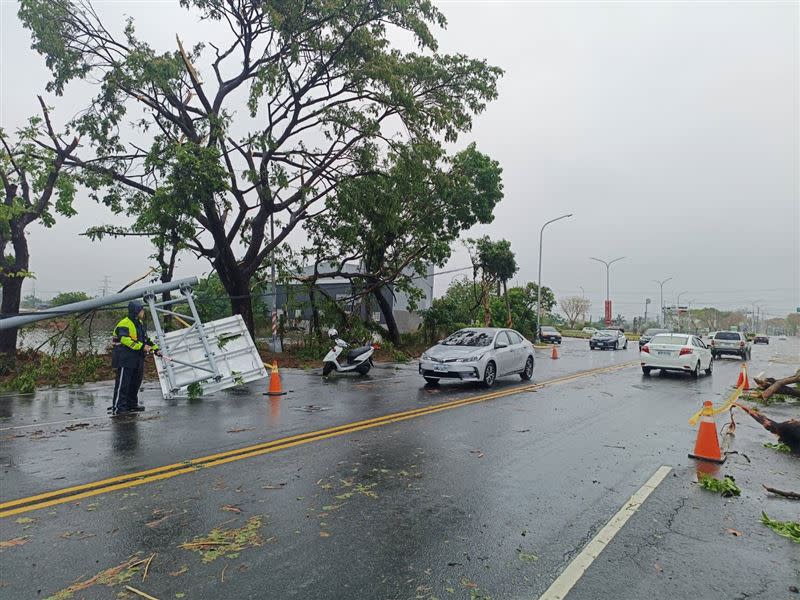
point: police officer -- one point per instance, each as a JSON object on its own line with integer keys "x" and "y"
{"x": 130, "y": 346}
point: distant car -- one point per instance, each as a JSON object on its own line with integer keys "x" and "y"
{"x": 478, "y": 354}
{"x": 648, "y": 334}
{"x": 730, "y": 342}
{"x": 589, "y": 330}
{"x": 677, "y": 352}
{"x": 761, "y": 339}
{"x": 608, "y": 338}
{"x": 549, "y": 334}
{"x": 782, "y": 337}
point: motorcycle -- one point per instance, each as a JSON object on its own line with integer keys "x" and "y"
{"x": 357, "y": 359}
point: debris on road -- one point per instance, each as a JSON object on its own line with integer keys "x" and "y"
{"x": 788, "y": 529}
{"x": 792, "y": 495}
{"x": 770, "y": 386}
{"x": 227, "y": 542}
{"x": 788, "y": 432}
{"x": 14, "y": 542}
{"x": 113, "y": 576}
{"x": 726, "y": 486}
{"x": 780, "y": 447}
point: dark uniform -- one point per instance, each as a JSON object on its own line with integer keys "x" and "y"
{"x": 130, "y": 338}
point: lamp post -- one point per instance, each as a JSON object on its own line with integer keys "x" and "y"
{"x": 678, "y": 307}
{"x": 608, "y": 264}
{"x": 539, "y": 288}
{"x": 753, "y": 314}
{"x": 661, "y": 285}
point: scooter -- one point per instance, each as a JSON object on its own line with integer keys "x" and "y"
{"x": 358, "y": 359}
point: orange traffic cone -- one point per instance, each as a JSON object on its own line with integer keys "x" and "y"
{"x": 554, "y": 354}
{"x": 275, "y": 381}
{"x": 707, "y": 445}
{"x": 743, "y": 382}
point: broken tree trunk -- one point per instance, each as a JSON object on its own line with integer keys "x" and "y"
{"x": 780, "y": 383}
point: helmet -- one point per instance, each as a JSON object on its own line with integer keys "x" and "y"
{"x": 333, "y": 334}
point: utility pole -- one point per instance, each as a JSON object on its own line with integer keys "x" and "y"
{"x": 539, "y": 287}
{"x": 608, "y": 311}
{"x": 275, "y": 343}
{"x": 104, "y": 288}
{"x": 661, "y": 285}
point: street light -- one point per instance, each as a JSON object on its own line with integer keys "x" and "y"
{"x": 753, "y": 314}
{"x": 608, "y": 279}
{"x": 539, "y": 289}
{"x": 661, "y": 284}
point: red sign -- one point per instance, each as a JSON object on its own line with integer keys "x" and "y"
{"x": 608, "y": 313}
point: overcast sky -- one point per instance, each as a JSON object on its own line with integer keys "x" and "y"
{"x": 670, "y": 130}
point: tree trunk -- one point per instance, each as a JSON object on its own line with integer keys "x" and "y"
{"x": 386, "y": 309}
{"x": 12, "y": 297}
{"x": 509, "y": 321}
{"x": 487, "y": 314}
{"x": 314, "y": 327}
{"x": 236, "y": 284}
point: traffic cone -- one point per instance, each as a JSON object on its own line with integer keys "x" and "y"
{"x": 275, "y": 388}
{"x": 743, "y": 381}
{"x": 554, "y": 354}
{"x": 707, "y": 445}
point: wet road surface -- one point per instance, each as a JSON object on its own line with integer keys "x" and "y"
{"x": 487, "y": 500}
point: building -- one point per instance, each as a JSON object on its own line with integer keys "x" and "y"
{"x": 293, "y": 300}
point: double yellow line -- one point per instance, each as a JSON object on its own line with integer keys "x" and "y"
{"x": 121, "y": 482}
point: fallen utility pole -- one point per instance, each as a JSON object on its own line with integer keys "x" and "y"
{"x": 95, "y": 303}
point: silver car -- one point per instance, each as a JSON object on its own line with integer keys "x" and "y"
{"x": 478, "y": 354}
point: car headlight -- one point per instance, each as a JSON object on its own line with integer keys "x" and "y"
{"x": 472, "y": 358}
{"x": 425, "y": 356}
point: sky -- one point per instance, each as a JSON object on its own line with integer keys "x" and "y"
{"x": 671, "y": 131}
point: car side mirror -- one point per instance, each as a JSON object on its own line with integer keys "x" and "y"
{"x": 499, "y": 345}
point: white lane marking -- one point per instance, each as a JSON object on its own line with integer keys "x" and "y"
{"x": 559, "y": 589}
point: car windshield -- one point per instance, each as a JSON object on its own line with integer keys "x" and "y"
{"x": 549, "y": 329}
{"x": 727, "y": 335}
{"x": 469, "y": 337}
{"x": 652, "y": 332}
{"x": 608, "y": 333}
{"x": 674, "y": 340}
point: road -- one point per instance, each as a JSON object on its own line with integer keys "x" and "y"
{"x": 446, "y": 492}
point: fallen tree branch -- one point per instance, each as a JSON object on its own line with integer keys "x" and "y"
{"x": 792, "y": 495}
{"x": 779, "y": 384}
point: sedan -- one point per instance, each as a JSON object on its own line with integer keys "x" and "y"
{"x": 677, "y": 352}
{"x": 549, "y": 334}
{"x": 608, "y": 338}
{"x": 648, "y": 335}
{"x": 761, "y": 339}
{"x": 478, "y": 354}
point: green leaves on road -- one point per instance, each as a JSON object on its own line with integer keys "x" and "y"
{"x": 788, "y": 529}
{"x": 227, "y": 542}
{"x": 726, "y": 486}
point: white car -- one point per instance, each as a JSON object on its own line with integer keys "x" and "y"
{"x": 677, "y": 352}
{"x": 782, "y": 337}
{"x": 478, "y": 354}
{"x": 589, "y": 330}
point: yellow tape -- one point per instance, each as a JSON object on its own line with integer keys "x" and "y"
{"x": 715, "y": 411}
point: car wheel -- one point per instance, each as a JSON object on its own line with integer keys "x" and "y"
{"x": 327, "y": 368}
{"x": 432, "y": 380}
{"x": 489, "y": 374}
{"x": 616, "y": 345}
{"x": 713, "y": 355}
{"x": 646, "y": 371}
{"x": 626, "y": 345}
{"x": 696, "y": 370}
{"x": 528, "y": 372}
{"x": 710, "y": 368}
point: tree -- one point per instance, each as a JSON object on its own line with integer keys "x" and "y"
{"x": 793, "y": 323}
{"x": 325, "y": 93}
{"x": 574, "y": 307}
{"x": 392, "y": 225}
{"x": 496, "y": 264}
{"x": 35, "y": 188}
{"x": 68, "y": 298}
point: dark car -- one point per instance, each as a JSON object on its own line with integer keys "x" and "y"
{"x": 608, "y": 338}
{"x": 648, "y": 335}
{"x": 549, "y": 334}
{"x": 761, "y": 339}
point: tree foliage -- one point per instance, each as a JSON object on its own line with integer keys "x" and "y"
{"x": 68, "y": 298}
{"x": 390, "y": 226}
{"x": 495, "y": 263}
{"x": 326, "y": 95}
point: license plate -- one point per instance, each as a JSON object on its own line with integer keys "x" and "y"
{"x": 664, "y": 352}
{"x": 440, "y": 368}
